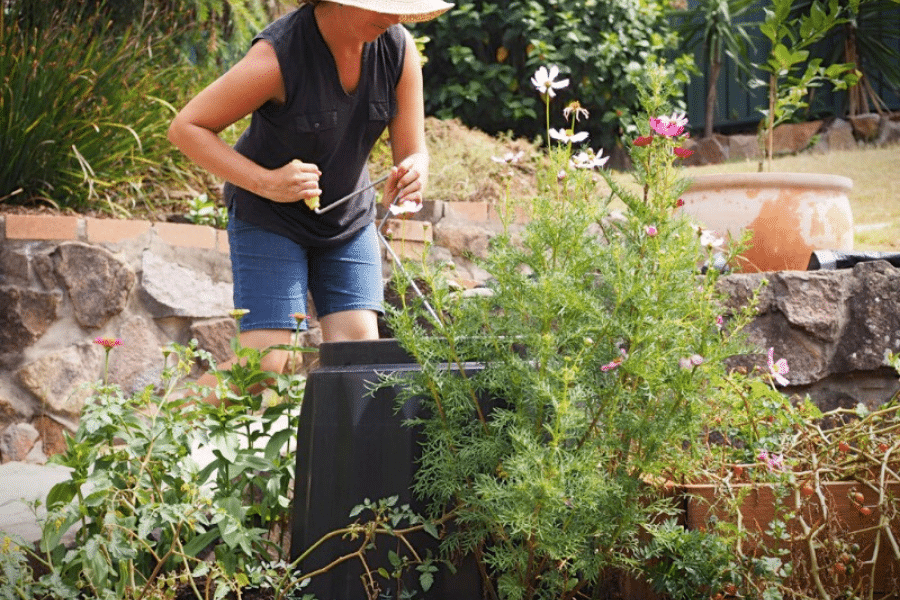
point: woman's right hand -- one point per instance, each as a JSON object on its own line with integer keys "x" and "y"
{"x": 293, "y": 182}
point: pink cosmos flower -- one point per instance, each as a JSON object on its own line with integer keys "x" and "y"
{"x": 683, "y": 152}
{"x": 643, "y": 140}
{"x": 109, "y": 342}
{"x": 777, "y": 369}
{"x": 720, "y": 321}
{"x": 670, "y": 126}
{"x": 650, "y": 230}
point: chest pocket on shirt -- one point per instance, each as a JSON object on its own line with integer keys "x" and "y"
{"x": 316, "y": 130}
{"x": 380, "y": 115}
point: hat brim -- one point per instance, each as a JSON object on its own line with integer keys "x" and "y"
{"x": 429, "y": 8}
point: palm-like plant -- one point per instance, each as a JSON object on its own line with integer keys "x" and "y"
{"x": 864, "y": 41}
{"x": 720, "y": 28}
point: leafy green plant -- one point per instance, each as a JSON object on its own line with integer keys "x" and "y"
{"x": 483, "y": 52}
{"x": 205, "y": 211}
{"x": 582, "y": 395}
{"x": 143, "y": 512}
{"x": 789, "y": 71}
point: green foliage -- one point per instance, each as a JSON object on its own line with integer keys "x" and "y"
{"x": 790, "y": 73}
{"x": 683, "y": 564}
{"x": 203, "y": 211}
{"x": 483, "y": 53}
{"x": 89, "y": 89}
{"x": 580, "y": 395}
{"x": 143, "y": 512}
{"x": 85, "y": 111}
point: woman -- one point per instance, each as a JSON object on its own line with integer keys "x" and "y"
{"x": 322, "y": 83}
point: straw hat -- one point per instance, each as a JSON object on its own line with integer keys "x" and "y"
{"x": 410, "y": 11}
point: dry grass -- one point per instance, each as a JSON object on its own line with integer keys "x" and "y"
{"x": 875, "y": 198}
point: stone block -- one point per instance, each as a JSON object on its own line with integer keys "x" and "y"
{"x": 42, "y": 227}
{"x": 53, "y": 434}
{"x": 214, "y": 336}
{"x": 139, "y": 361}
{"x": 101, "y": 231}
{"x": 98, "y": 283}
{"x": 170, "y": 290}
{"x": 462, "y": 239}
{"x": 743, "y": 147}
{"x": 17, "y": 440}
{"x": 839, "y": 136}
{"x": 25, "y": 315}
{"x": 865, "y": 126}
{"x": 888, "y": 132}
{"x": 186, "y": 236}
{"x": 64, "y": 379}
{"x": 790, "y": 138}
{"x": 711, "y": 150}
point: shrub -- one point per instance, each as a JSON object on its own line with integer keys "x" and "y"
{"x": 481, "y": 54}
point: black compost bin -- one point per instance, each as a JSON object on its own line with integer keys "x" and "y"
{"x": 352, "y": 445}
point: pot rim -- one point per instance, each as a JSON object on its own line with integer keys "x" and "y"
{"x": 736, "y": 180}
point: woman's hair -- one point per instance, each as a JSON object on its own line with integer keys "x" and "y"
{"x": 302, "y": 2}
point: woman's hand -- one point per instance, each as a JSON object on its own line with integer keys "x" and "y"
{"x": 293, "y": 182}
{"x": 406, "y": 181}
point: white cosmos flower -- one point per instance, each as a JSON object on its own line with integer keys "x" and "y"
{"x": 589, "y": 160}
{"x": 565, "y": 137}
{"x": 545, "y": 81}
{"x": 509, "y": 157}
{"x": 406, "y": 207}
{"x": 710, "y": 239}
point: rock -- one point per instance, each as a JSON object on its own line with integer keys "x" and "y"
{"x": 98, "y": 283}
{"x": 53, "y": 434}
{"x": 25, "y": 315}
{"x": 790, "y": 138}
{"x": 63, "y": 380}
{"x": 214, "y": 336}
{"x": 139, "y": 361}
{"x": 743, "y": 147}
{"x": 865, "y": 126}
{"x": 873, "y": 306}
{"x": 838, "y": 136}
{"x": 461, "y": 238}
{"x": 17, "y": 440}
{"x": 37, "y": 455}
{"x": 812, "y": 301}
{"x": 707, "y": 150}
{"x": 888, "y": 132}
{"x": 170, "y": 290}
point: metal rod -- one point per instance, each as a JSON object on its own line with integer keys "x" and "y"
{"x": 325, "y": 209}
{"x": 411, "y": 281}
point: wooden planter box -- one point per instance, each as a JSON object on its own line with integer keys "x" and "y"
{"x": 854, "y": 524}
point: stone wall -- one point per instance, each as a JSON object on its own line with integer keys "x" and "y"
{"x": 68, "y": 280}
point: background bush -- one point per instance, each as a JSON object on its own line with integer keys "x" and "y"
{"x": 90, "y": 87}
{"x": 483, "y": 53}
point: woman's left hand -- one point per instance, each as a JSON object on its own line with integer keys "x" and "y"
{"x": 406, "y": 182}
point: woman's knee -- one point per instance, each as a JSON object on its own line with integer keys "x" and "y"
{"x": 273, "y": 360}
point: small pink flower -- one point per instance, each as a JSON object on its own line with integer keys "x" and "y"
{"x": 777, "y": 369}
{"x": 671, "y": 126}
{"x": 683, "y": 152}
{"x": 650, "y": 230}
{"x": 109, "y": 342}
{"x": 679, "y": 203}
{"x": 720, "y": 321}
{"x": 643, "y": 140}
{"x": 615, "y": 362}
{"x": 300, "y": 316}
{"x": 696, "y": 360}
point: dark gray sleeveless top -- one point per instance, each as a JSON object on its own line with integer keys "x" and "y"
{"x": 319, "y": 123}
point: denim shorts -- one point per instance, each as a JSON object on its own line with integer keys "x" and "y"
{"x": 272, "y": 275}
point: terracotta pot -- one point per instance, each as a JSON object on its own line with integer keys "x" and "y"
{"x": 790, "y": 214}
{"x": 849, "y": 523}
